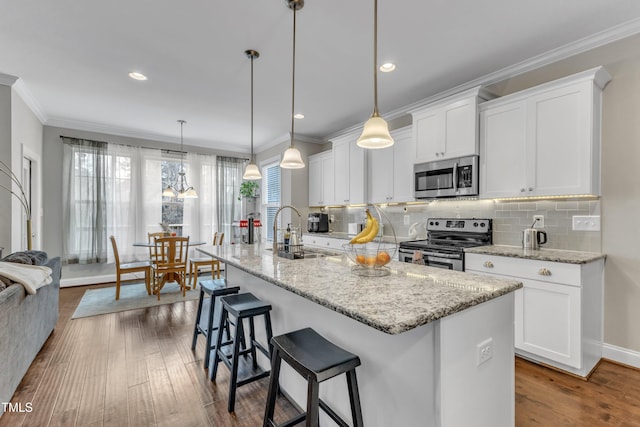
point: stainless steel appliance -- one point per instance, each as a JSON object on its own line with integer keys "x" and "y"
{"x": 446, "y": 240}
{"x": 446, "y": 178}
{"x": 318, "y": 223}
{"x": 533, "y": 238}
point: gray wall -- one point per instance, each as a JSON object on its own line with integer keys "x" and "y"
{"x": 5, "y": 155}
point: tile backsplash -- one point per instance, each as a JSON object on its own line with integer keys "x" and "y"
{"x": 509, "y": 219}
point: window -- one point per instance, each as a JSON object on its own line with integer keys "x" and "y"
{"x": 270, "y": 196}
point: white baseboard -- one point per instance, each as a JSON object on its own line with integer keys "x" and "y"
{"x": 93, "y": 280}
{"x": 621, "y": 355}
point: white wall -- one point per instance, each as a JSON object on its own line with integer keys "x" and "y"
{"x": 26, "y": 141}
{"x": 5, "y": 155}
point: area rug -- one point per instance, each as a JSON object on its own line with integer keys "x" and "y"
{"x": 133, "y": 296}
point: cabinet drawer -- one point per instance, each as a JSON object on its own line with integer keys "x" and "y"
{"x": 543, "y": 271}
{"x": 323, "y": 242}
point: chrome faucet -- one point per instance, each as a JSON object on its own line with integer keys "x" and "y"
{"x": 275, "y": 226}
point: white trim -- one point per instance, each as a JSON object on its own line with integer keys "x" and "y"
{"x": 93, "y": 280}
{"x": 7, "y": 79}
{"x": 602, "y": 38}
{"x": 28, "y": 98}
{"x": 621, "y": 355}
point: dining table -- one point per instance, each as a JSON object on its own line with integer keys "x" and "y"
{"x": 171, "y": 276}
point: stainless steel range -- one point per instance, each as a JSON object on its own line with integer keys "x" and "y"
{"x": 445, "y": 242}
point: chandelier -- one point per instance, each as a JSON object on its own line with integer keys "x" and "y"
{"x": 181, "y": 189}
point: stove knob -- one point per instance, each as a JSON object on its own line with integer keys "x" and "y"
{"x": 482, "y": 224}
{"x": 475, "y": 224}
{"x": 430, "y": 222}
{"x": 437, "y": 223}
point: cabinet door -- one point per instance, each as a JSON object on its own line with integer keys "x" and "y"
{"x": 315, "y": 181}
{"x": 341, "y": 166}
{"x": 328, "y": 180}
{"x": 560, "y": 132}
{"x": 403, "y": 160}
{"x": 547, "y": 320}
{"x": 381, "y": 175}
{"x": 357, "y": 174}
{"x": 428, "y": 134}
{"x": 503, "y": 150}
{"x": 460, "y": 128}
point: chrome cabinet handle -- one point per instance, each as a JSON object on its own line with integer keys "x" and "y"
{"x": 522, "y": 190}
{"x": 530, "y": 188}
{"x": 544, "y": 272}
{"x": 488, "y": 264}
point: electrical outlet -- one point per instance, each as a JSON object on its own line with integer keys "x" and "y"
{"x": 407, "y": 219}
{"x": 332, "y": 218}
{"x": 586, "y": 222}
{"x": 484, "y": 351}
{"x": 539, "y": 219}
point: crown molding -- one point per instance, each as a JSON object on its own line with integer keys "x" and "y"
{"x": 30, "y": 100}
{"x": 286, "y": 138}
{"x": 585, "y": 44}
{"x": 7, "y": 79}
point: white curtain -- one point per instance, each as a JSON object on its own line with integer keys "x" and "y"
{"x": 229, "y": 208}
{"x": 200, "y": 214}
{"x": 84, "y": 201}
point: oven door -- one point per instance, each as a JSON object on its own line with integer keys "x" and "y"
{"x": 434, "y": 259}
{"x": 446, "y": 178}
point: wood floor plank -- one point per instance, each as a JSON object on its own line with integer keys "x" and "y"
{"x": 139, "y": 370}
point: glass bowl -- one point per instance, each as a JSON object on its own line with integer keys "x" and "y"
{"x": 371, "y": 258}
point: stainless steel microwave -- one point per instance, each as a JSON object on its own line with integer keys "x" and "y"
{"x": 446, "y": 178}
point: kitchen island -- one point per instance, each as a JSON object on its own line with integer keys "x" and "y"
{"x": 436, "y": 346}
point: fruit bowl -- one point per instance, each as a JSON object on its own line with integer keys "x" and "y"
{"x": 370, "y": 258}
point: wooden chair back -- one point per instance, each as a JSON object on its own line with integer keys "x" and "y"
{"x": 217, "y": 239}
{"x": 171, "y": 252}
{"x": 115, "y": 252}
{"x": 151, "y": 237}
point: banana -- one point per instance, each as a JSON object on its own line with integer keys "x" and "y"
{"x": 369, "y": 232}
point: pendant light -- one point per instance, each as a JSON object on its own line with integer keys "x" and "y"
{"x": 252, "y": 172}
{"x": 182, "y": 189}
{"x": 292, "y": 159}
{"x": 375, "y": 133}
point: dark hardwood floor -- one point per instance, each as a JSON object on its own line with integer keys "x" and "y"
{"x": 136, "y": 368}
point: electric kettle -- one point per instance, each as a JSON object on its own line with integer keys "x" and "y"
{"x": 532, "y": 238}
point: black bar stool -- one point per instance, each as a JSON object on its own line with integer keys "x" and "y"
{"x": 241, "y": 306}
{"x": 213, "y": 288}
{"x": 317, "y": 360}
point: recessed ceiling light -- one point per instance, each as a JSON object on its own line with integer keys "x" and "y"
{"x": 137, "y": 76}
{"x": 387, "y": 67}
{"x": 298, "y": 116}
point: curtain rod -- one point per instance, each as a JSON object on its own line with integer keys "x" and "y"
{"x": 164, "y": 150}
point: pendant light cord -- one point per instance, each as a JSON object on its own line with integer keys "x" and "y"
{"x": 181, "y": 149}
{"x": 375, "y": 58}
{"x": 251, "y": 159}
{"x": 293, "y": 74}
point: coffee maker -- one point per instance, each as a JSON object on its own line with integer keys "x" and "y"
{"x": 318, "y": 223}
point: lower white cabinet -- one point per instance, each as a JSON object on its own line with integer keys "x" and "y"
{"x": 558, "y": 312}
{"x": 323, "y": 242}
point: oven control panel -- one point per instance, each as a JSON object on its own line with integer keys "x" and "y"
{"x": 473, "y": 225}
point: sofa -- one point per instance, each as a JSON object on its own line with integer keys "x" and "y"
{"x": 26, "y": 321}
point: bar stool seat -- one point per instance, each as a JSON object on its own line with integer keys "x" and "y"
{"x": 316, "y": 359}
{"x": 215, "y": 289}
{"x": 241, "y": 307}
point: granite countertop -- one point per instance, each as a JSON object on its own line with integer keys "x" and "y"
{"x": 553, "y": 255}
{"x": 411, "y": 296}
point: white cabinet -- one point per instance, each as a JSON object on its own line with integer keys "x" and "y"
{"x": 447, "y": 128}
{"x": 321, "y": 179}
{"x": 543, "y": 141}
{"x": 558, "y": 312}
{"x": 349, "y": 163}
{"x": 391, "y": 170}
{"x": 324, "y": 242}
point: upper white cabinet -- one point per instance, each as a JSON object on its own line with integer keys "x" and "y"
{"x": 447, "y": 128}
{"x": 391, "y": 169}
{"x": 349, "y": 163}
{"x": 321, "y": 179}
{"x": 543, "y": 141}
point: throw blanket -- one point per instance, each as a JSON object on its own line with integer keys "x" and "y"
{"x": 32, "y": 277}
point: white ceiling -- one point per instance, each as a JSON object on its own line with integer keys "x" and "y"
{"x": 72, "y": 58}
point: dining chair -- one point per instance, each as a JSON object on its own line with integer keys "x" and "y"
{"x": 171, "y": 263}
{"x": 151, "y": 237}
{"x": 132, "y": 267}
{"x": 196, "y": 263}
